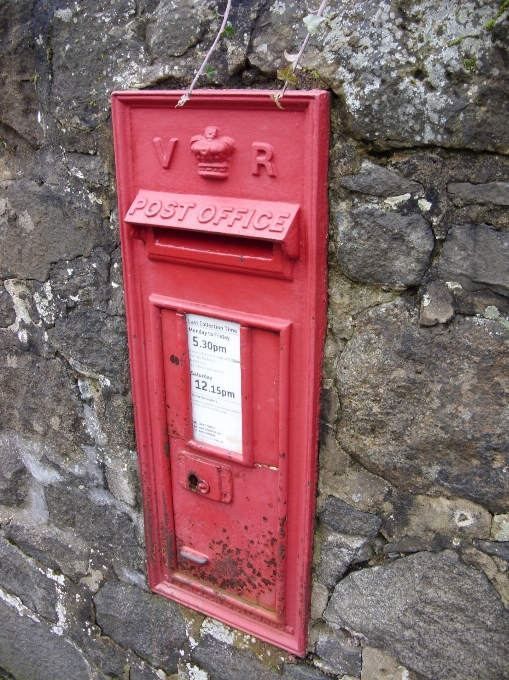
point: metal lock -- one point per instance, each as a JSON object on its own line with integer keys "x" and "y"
{"x": 205, "y": 478}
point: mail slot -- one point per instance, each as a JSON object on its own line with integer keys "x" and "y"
{"x": 223, "y": 214}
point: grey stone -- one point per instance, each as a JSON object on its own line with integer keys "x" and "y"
{"x": 5, "y": 675}
{"x": 404, "y": 415}
{"x": 20, "y": 577}
{"x": 88, "y": 167}
{"x": 379, "y": 181}
{"x": 376, "y": 665}
{"x": 302, "y": 672}
{"x": 13, "y": 476}
{"x": 31, "y": 651}
{"x": 498, "y": 549}
{"x": 150, "y": 625}
{"x": 165, "y": 36}
{"x": 93, "y": 518}
{"x": 421, "y": 609}
{"x": 433, "y": 522}
{"x": 405, "y": 77}
{"x": 83, "y": 282}
{"x": 319, "y": 599}
{"x": 436, "y": 305}
{"x": 356, "y": 486}
{"x": 94, "y": 339}
{"x": 38, "y": 397}
{"x": 338, "y": 553}
{"x": 408, "y": 544}
{"x": 18, "y": 95}
{"x": 7, "y": 313}
{"x": 59, "y": 550}
{"x": 344, "y": 519}
{"x": 500, "y": 528}
{"x": 476, "y": 256}
{"x": 384, "y": 248}
{"x": 346, "y": 659}
{"x": 223, "y": 662}
{"x": 496, "y": 193}
{"x": 39, "y": 227}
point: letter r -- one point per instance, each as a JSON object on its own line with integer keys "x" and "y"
{"x": 261, "y": 154}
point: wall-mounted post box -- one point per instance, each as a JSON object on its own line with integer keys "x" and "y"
{"x": 223, "y": 213}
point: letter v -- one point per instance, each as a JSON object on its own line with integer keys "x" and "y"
{"x": 163, "y": 153}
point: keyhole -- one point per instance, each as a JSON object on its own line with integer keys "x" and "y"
{"x": 193, "y": 482}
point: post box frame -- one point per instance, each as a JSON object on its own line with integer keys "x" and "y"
{"x": 296, "y": 481}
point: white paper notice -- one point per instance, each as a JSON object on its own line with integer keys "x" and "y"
{"x": 214, "y": 351}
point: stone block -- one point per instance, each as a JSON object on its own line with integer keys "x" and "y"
{"x": 150, "y": 625}
{"x": 477, "y": 257}
{"x": 224, "y": 662}
{"x": 435, "y": 522}
{"x": 40, "y": 410}
{"x": 437, "y": 304}
{"x": 95, "y": 519}
{"x": 500, "y": 528}
{"x": 59, "y": 550}
{"x": 302, "y": 672}
{"x": 20, "y": 576}
{"x": 319, "y": 599}
{"x": 385, "y": 248}
{"x": 424, "y": 408}
{"x": 19, "y": 104}
{"x": 14, "y": 476}
{"x": 337, "y": 553}
{"x": 38, "y": 226}
{"x": 342, "y": 518}
{"x": 29, "y": 649}
{"x": 498, "y": 549}
{"x": 96, "y": 340}
{"x": 404, "y": 79}
{"x": 494, "y": 193}
{"x": 379, "y": 181}
{"x": 345, "y": 658}
{"x": 356, "y": 486}
{"x": 421, "y": 610}
{"x": 7, "y": 313}
{"x": 376, "y": 665}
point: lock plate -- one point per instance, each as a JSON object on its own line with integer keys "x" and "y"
{"x": 205, "y": 478}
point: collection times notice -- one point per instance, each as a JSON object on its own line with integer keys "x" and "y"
{"x": 214, "y": 352}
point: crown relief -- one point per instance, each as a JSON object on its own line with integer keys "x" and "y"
{"x": 213, "y": 153}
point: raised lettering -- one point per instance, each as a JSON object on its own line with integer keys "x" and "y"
{"x": 248, "y": 219}
{"x": 137, "y": 205}
{"x": 278, "y": 222}
{"x": 169, "y": 210}
{"x": 153, "y": 208}
{"x": 237, "y": 215}
{"x": 185, "y": 207}
{"x": 206, "y": 213}
{"x": 224, "y": 213}
{"x": 261, "y": 154}
{"x": 257, "y": 224}
{"x": 164, "y": 154}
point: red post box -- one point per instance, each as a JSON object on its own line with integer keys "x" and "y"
{"x": 223, "y": 213}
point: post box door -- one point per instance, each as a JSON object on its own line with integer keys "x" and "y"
{"x": 223, "y": 220}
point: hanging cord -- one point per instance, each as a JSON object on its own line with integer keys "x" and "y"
{"x": 312, "y": 21}
{"x": 187, "y": 94}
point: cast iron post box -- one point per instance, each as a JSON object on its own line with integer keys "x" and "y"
{"x": 223, "y": 213}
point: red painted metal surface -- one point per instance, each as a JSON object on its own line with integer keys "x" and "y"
{"x": 223, "y": 213}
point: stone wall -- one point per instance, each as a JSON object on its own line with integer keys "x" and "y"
{"x": 411, "y": 568}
